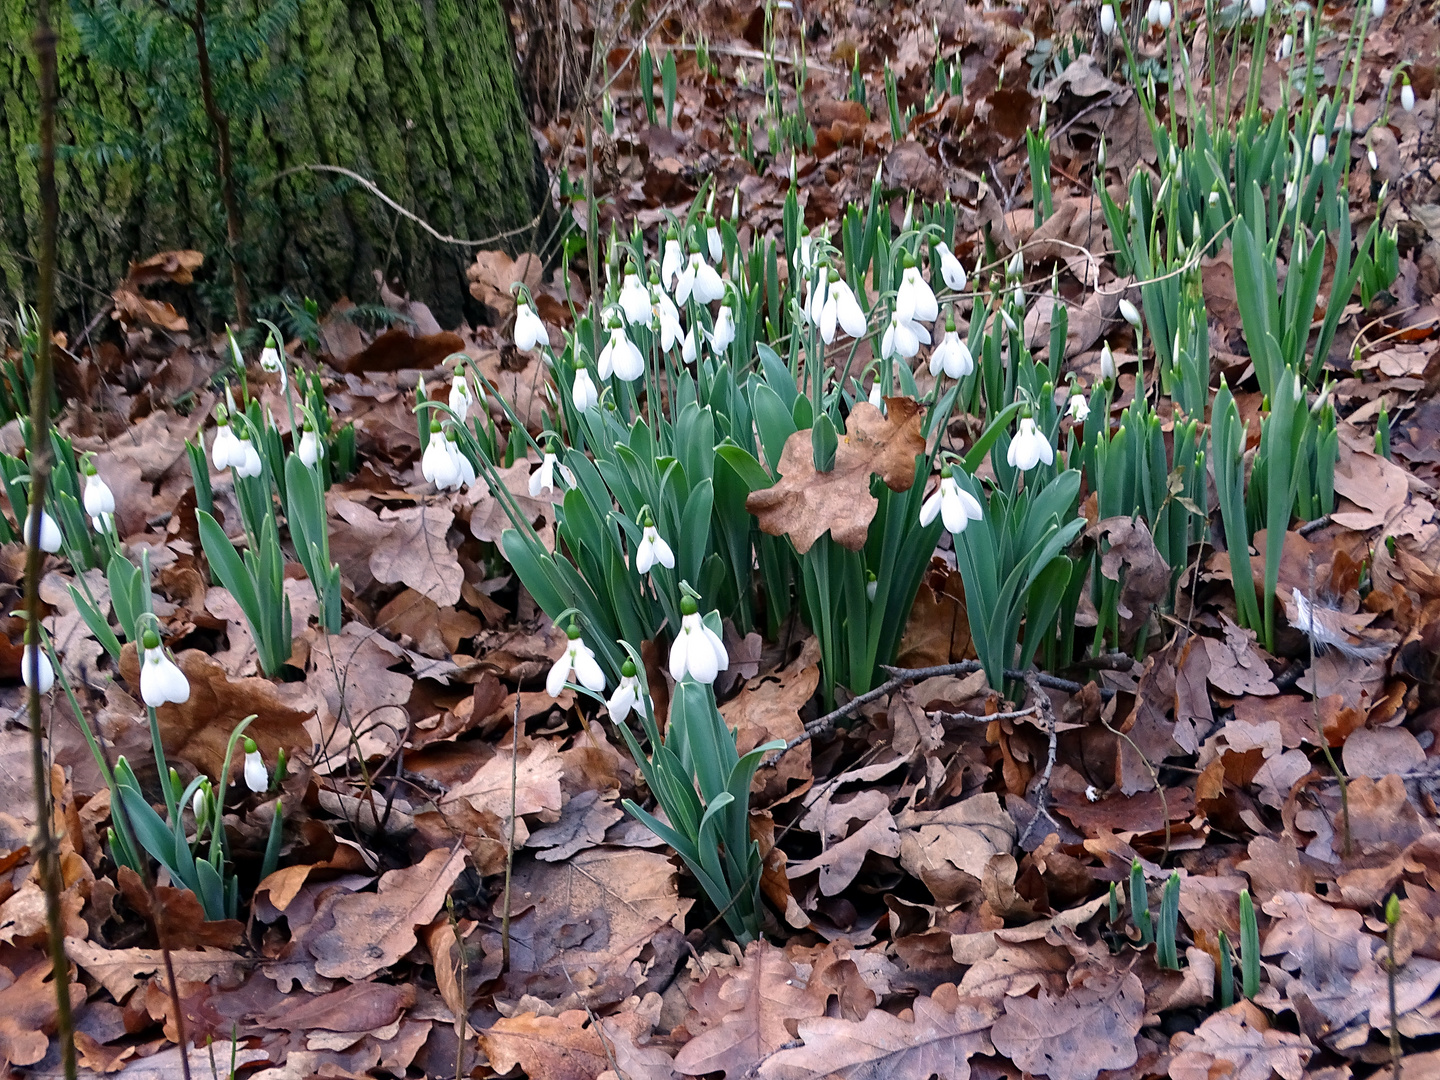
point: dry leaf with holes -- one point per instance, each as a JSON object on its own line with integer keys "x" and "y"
{"x": 536, "y": 787}
{"x": 945, "y": 1031}
{"x": 415, "y": 552}
{"x": 1089, "y": 1029}
{"x": 805, "y": 504}
{"x": 563, "y": 1047}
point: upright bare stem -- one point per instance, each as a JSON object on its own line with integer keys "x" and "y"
{"x": 47, "y": 855}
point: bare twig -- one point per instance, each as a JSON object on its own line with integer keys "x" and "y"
{"x": 1320, "y": 726}
{"x": 373, "y": 189}
{"x": 1042, "y": 788}
{"x": 976, "y": 718}
{"x": 47, "y": 854}
{"x": 510, "y": 840}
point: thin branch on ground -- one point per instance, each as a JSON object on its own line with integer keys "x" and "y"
{"x": 1042, "y": 787}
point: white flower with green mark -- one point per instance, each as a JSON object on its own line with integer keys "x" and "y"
{"x": 620, "y": 357}
{"x": 577, "y": 659}
{"x": 161, "y": 680}
{"x": 36, "y": 660}
{"x": 626, "y": 698}
{"x": 697, "y": 651}
{"x": 529, "y": 330}
{"x": 257, "y": 777}
{"x": 1029, "y": 447}
{"x": 955, "y": 506}
{"x": 652, "y": 549}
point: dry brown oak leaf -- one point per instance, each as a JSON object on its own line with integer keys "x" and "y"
{"x": 546, "y": 1047}
{"x": 1090, "y": 1028}
{"x": 27, "y": 1013}
{"x": 804, "y": 505}
{"x": 373, "y": 930}
{"x": 1239, "y": 1045}
{"x": 763, "y": 993}
{"x": 946, "y": 1030}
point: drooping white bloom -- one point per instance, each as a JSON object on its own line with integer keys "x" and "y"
{"x": 200, "y": 806}
{"x": 724, "y": 332}
{"x": 1155, "y": 17}
{"x": 436, "y": 464}
{"x": 249, "y": 464}
{"x": 626, "y": 698}
{"x": 35, "y": 655}
{"x": 690, "y": 347}
{"x": 1078, "y": 408}
{"x": 160, "y": 679}
{"x": 635, "y": 299}
{"x": 956, "y": 506}
{"x": 1407, "y": 96}
{"x": 876, "y": 398}
{"x": 698, "y": 650}
{"x": 463, "y": 473}
{"x": 310, "y": 449}
{"x": 1319, "y": 147}
{"x": 915, "y": 300}
{"x": 803, "y": 254}
{"x": 700, "y": 279}
{"x": 1165, "y": 14}
{"x": 579, "y": 659}
{"x": 902, "y": 338}
{"x": 1029, "y": 447}
{"x": 460, "y": 396}
{"x": 832, "y": 303}
{"x": 1257, "y": 8}
{"x": 41, "y": 529}
{"x": 543, "y": 478}
{"x": 224, "y": 451}
{"x": 713, "y": 241}
{"x": 872, "y": 586}
{"x": 1377, "y": 9}
{"x": 529, "y": 330}
{"x": 99, "y": 499}
{"x": 620, "y": 357}
{"x": 582, "y": 390}
{"x": 257, "y": 777}
{"x": 1372, "y": 159}
{"x": 672, "y": 261}
{"x": 952, "y": 356}
{"x": 1285, "y": 48}
{"x": 950, "y": 269}
{"x": 664, "y": 317}
{"x": 1107, "y": 362}
{"x": 1130, "y": 313}
{"x": 653, "y": 549}
{"x": 1107, "y": 19}
{"x": 270, "y": 359}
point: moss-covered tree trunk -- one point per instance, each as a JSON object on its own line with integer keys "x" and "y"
{"x": 418, "y": 96}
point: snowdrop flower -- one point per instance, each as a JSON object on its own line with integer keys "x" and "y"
{"x": 582, "y": 390}
{"x": 803, "y": 254}
{"x": 34, "y": 655}
{"x": 724, "y": 332}
{"x": 436, "y": 464}
{"x": 1158, "y": 15}
{"x": 872, "y": 585}
{"x": 160, "y": 679}
{"x": 955, "y": 506}
{"x": 664, "y": 317}
{"x": 249, "y": 464}
{"x": 915, "y": 300}
{"x": 270, "y": 358}
{"x": 1285, "y": 48}
{"x": 460, "y": 395}
{"x": 1377, "y": 9}
{"x": 1372, "y": 159}
{"x": 1318, "y": 148}
{"x": 876, "y": 398}
{"x": 951, "y": 271}
{"x": 652, "y": 549}
{"x": 626, "y": 698}
{"x": 99, "y": 499}
{"x": 690, "y": 347}
{"x": 700, "y": 279}
{"x": 634, "y": 298}
{"x": 902, "y": 338}
{"x": 576, "y": 658}
{"x": 1407, "y": 96}
{"x": 1029, "y": 447}
{"x": 834, "y": 304}
{"x": 672, "y": 261}
{"x": 529, "y": 330}
{"x": 543, "y": 478}
{"x": 712, "y": 239}
{"x": 1290, "y": 195}
{"x": 42, "y": 529}
{"x": 464, "y": 471}
{"x": 1107, "y": 363}
{"x": 1015, "y": 268}
{"x": 1107, "y": 19}
{"x": 1100, "y": 154}
{"x": 257, "y": 777}
{"x": 200, "y": 805}
{"x": 1078, "y": 408}
{"x": 952, "y": 355}
{"x": 224, "y": 450}
{"x": 698, "y": 650}
{"x": 310, "y": 449}
{"x": 1130, "y": 313}
{"x": 1257, "y": 8}
{"x": 620, "y": 357}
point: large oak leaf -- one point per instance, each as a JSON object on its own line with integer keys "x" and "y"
{"x": 1076, "y": 1036}
{"x": 805, "y": 504}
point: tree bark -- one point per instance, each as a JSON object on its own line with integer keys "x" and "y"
{"x": 418, "y": 96}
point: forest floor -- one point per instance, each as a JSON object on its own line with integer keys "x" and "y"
{"x": 938, "y": 870}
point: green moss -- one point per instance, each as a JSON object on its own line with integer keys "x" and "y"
{"x": 420, "y": 97}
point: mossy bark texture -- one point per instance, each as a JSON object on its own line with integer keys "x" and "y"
{"x": 418, "y": 96}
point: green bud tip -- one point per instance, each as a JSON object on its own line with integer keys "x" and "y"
{"x": 834, "y": 275}
{"x": 870, "y": 576}
{"x": 627, "y": 669}
{"x": 250, "y": 746}
{"x": 709, "y": 220}
{"x": 1392, "y": 910}
{"x": 150, "y": 639}
{"x": 672, "y": 234}
{"x": 434, "y": 427}
{"x": 688, "y": 606}
{"x": 946, "y": 473}
{"x": 90, "y": 469}
{"x": 909, "y": 261}
{"x": 307, "y": 426}
{"x": 573, "y": 633}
